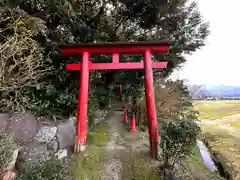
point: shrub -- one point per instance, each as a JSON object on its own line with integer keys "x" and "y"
{"x": 53, "y": 169}
{"x": 172, "y": 101}
{"x": 21, "y": 57}
{"x": 178, "y": 138}
{"x": 7, "y": 146}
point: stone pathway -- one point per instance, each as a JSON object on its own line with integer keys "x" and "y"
{"x": 113, "y": 165}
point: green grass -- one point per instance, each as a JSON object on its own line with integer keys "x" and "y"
{"x": 236, "y": 125}
{"x": 208, "y": 105}
{"x": 53, "y": 169}
{"x": 222, "y": 139}
{"x": 99, "y": 135}
{"x": 88, "y": 165}
{"x": 137, "y": 166}
{"x": 211, "y": 110}
{"x": 194, "y": 168}
{"x": 211, "y": 115}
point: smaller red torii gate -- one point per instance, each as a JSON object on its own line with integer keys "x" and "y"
{"x": 145, "y": 48}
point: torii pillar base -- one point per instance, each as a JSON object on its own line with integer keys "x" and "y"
{"x": 78, "y": 147}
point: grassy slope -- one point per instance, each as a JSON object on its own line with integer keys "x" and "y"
{"x": 220, "y": 133}
{"x": 134, "y": 165}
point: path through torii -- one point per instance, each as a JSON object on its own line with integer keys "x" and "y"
{"x": 145, "y": 48}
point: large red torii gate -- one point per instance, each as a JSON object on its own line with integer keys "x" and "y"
{"x": 145, "y": 48}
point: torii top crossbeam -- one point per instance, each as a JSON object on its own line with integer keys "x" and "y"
{"x": 119, "y": 47}
{"x": 116, "y": 49}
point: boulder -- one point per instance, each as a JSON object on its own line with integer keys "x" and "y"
{"x": 13, "y": 160}
{"x": 8, "y": 175}
{"x": 23, "y": 127}
{"x": 53, "y": 145}
{"x": 61, "y": 154}
{"x": 66, "y": 134}
{"x": 32, "y": 155}
{"x": 4, "y": 121}
{"x": 46, "y": 134}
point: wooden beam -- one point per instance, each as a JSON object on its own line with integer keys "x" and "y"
{"x": 114, "y": 66}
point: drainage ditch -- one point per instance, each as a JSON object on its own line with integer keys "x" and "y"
{"x": 217, "y": 161}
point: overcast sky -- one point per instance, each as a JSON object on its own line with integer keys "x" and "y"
{"x": 218, "y": 62}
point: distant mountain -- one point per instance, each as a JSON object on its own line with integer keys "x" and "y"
{"x": 220, "y": 91}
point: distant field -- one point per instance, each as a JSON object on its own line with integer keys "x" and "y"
{"x": 221, "y": 125}
{"x": 212, "y": 110}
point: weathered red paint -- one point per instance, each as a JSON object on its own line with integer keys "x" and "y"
{"x": 110, "y": 48}
{"x": 150, "y": 102}
{"x": 81, "y": 135}
{"x": 126, "y": 65}
{"x": 147, "y": 64}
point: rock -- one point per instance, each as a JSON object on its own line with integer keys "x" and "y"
{"x": 53, "y": 145}
{"x": 66, "y": 133}
{"x": 9, "y": 175}
{"x": 32, "y": 155}
{"x": 62, "y": 153}
{"x": 4, "y": 121}
{"x": 23, "y": 127}
{"x": 12, "y": 162}
{"x": 46, "y": 134}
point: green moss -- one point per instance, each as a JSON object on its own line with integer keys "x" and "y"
{"x": 137, "y": 166}
{"x": 99, "y": 135}
{"x": 88, "y": 164}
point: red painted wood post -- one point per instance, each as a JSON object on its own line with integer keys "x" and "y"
{"x": 81, "y": 136}
{"x": 150, "y": 104}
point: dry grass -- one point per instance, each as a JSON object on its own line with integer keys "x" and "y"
{"x": 227, "y": 145}
{"x": 212, "y": 110}
{"x": 224, "y": 133}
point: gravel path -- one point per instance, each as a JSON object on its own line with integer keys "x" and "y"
{"x": 113, "y": 165}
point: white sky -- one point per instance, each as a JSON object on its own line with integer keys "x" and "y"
{"x": 218, "y": 62}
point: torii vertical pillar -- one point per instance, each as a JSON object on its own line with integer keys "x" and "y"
{"x": 81, "y": 137}
{"x": 150, "y": 103}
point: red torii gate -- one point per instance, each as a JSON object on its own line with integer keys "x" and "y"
{"x": 145, "y": 48}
